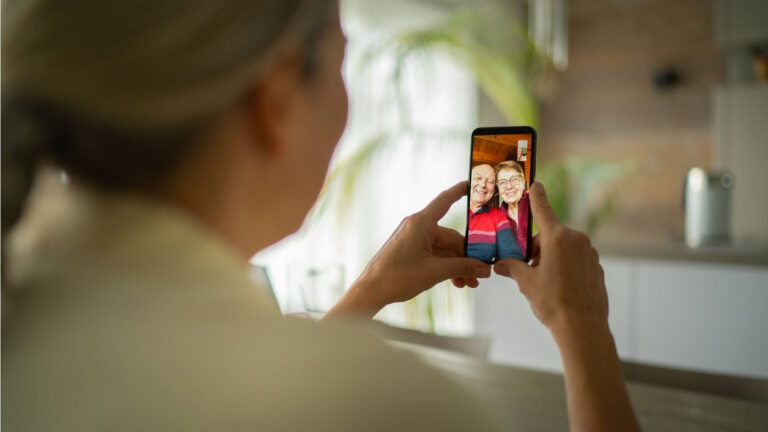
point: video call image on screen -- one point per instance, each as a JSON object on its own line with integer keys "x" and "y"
{"x": 498, "y": 197}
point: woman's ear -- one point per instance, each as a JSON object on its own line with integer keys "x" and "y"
{"x": 271, "y": 105}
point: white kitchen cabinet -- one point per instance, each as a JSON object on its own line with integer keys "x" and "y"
{"x": 706, "y": 317}
{"x": 517, "y": 337}
{"x": 618, "y": 283}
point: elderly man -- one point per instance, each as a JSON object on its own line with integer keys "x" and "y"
{"x": 490, "y": 236}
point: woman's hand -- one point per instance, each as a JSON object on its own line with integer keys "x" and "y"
{"x": 564, "y": 283}
{"x": 418, "y": 255}
{"x": 565, "y": 286}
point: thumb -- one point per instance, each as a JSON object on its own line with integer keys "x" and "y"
{"x": 452, "y": 267}
{"x": 513, "y": 268}
{"x": 541, "y": 209}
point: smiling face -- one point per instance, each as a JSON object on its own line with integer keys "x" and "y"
{"x": 511, "y": 185}
{"x": 481, "y": 186}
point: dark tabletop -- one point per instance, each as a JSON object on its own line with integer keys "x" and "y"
{"x": 529, "y": 400}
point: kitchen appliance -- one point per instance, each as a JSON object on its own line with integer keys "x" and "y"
{"x": 707, "y": 207}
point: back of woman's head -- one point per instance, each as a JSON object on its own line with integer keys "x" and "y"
{"x": 115, "y": 91}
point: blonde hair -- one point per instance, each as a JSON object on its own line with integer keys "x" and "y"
{"x": 115, "y": 90}
{"x": 510, "y": 165}
{"x": 142, "y": 65}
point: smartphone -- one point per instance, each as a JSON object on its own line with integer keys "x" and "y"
{"x": 502, "y": 168}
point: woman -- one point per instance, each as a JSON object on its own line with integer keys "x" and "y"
{"x": 510, "y": 179}
{"x": 181, "y": 125}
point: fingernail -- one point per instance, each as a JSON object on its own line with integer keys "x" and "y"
{"x": 500, "y": 270}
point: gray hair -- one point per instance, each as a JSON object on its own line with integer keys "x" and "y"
{"x": 114, "y": 91}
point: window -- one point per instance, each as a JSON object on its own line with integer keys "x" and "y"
{"x": 403, "y": 145}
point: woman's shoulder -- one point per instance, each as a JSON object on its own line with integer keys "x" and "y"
{"x": 270, "y": 372}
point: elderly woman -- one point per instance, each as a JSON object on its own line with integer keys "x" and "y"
{"x": 510, "y": 179}
{"x": 180, "y": 125}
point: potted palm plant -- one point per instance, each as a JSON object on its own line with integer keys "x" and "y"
{"x": 490, "y": 40}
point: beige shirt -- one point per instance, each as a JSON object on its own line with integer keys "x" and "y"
{"x": 126, "y": 315}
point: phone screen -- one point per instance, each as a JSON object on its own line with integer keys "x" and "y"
{"x": 501, "y": 171}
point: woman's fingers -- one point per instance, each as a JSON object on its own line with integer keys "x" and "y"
{"x": 446, "y": 252}
{"x": 447, "y": 238}
{"x": 460, "y": 282}
{"x": 535, "y": 250}
{"x": 465, "y": 282}
{"x": 515, "y": 269}
{"x": 455, "y": 267}
{"x": 542, "y": 211}
{"x": 535, "y": 245}
{"x": 449, "y": 243}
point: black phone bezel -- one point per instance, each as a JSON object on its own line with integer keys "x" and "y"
{"x": 504, "y": 130}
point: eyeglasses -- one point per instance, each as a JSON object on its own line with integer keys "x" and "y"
{"x": 513, "y": 182}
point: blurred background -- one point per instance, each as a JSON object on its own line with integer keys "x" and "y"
{"x": 628, "y": 96}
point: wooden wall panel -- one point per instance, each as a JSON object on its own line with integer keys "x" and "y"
{"x": 605, "y": 105}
